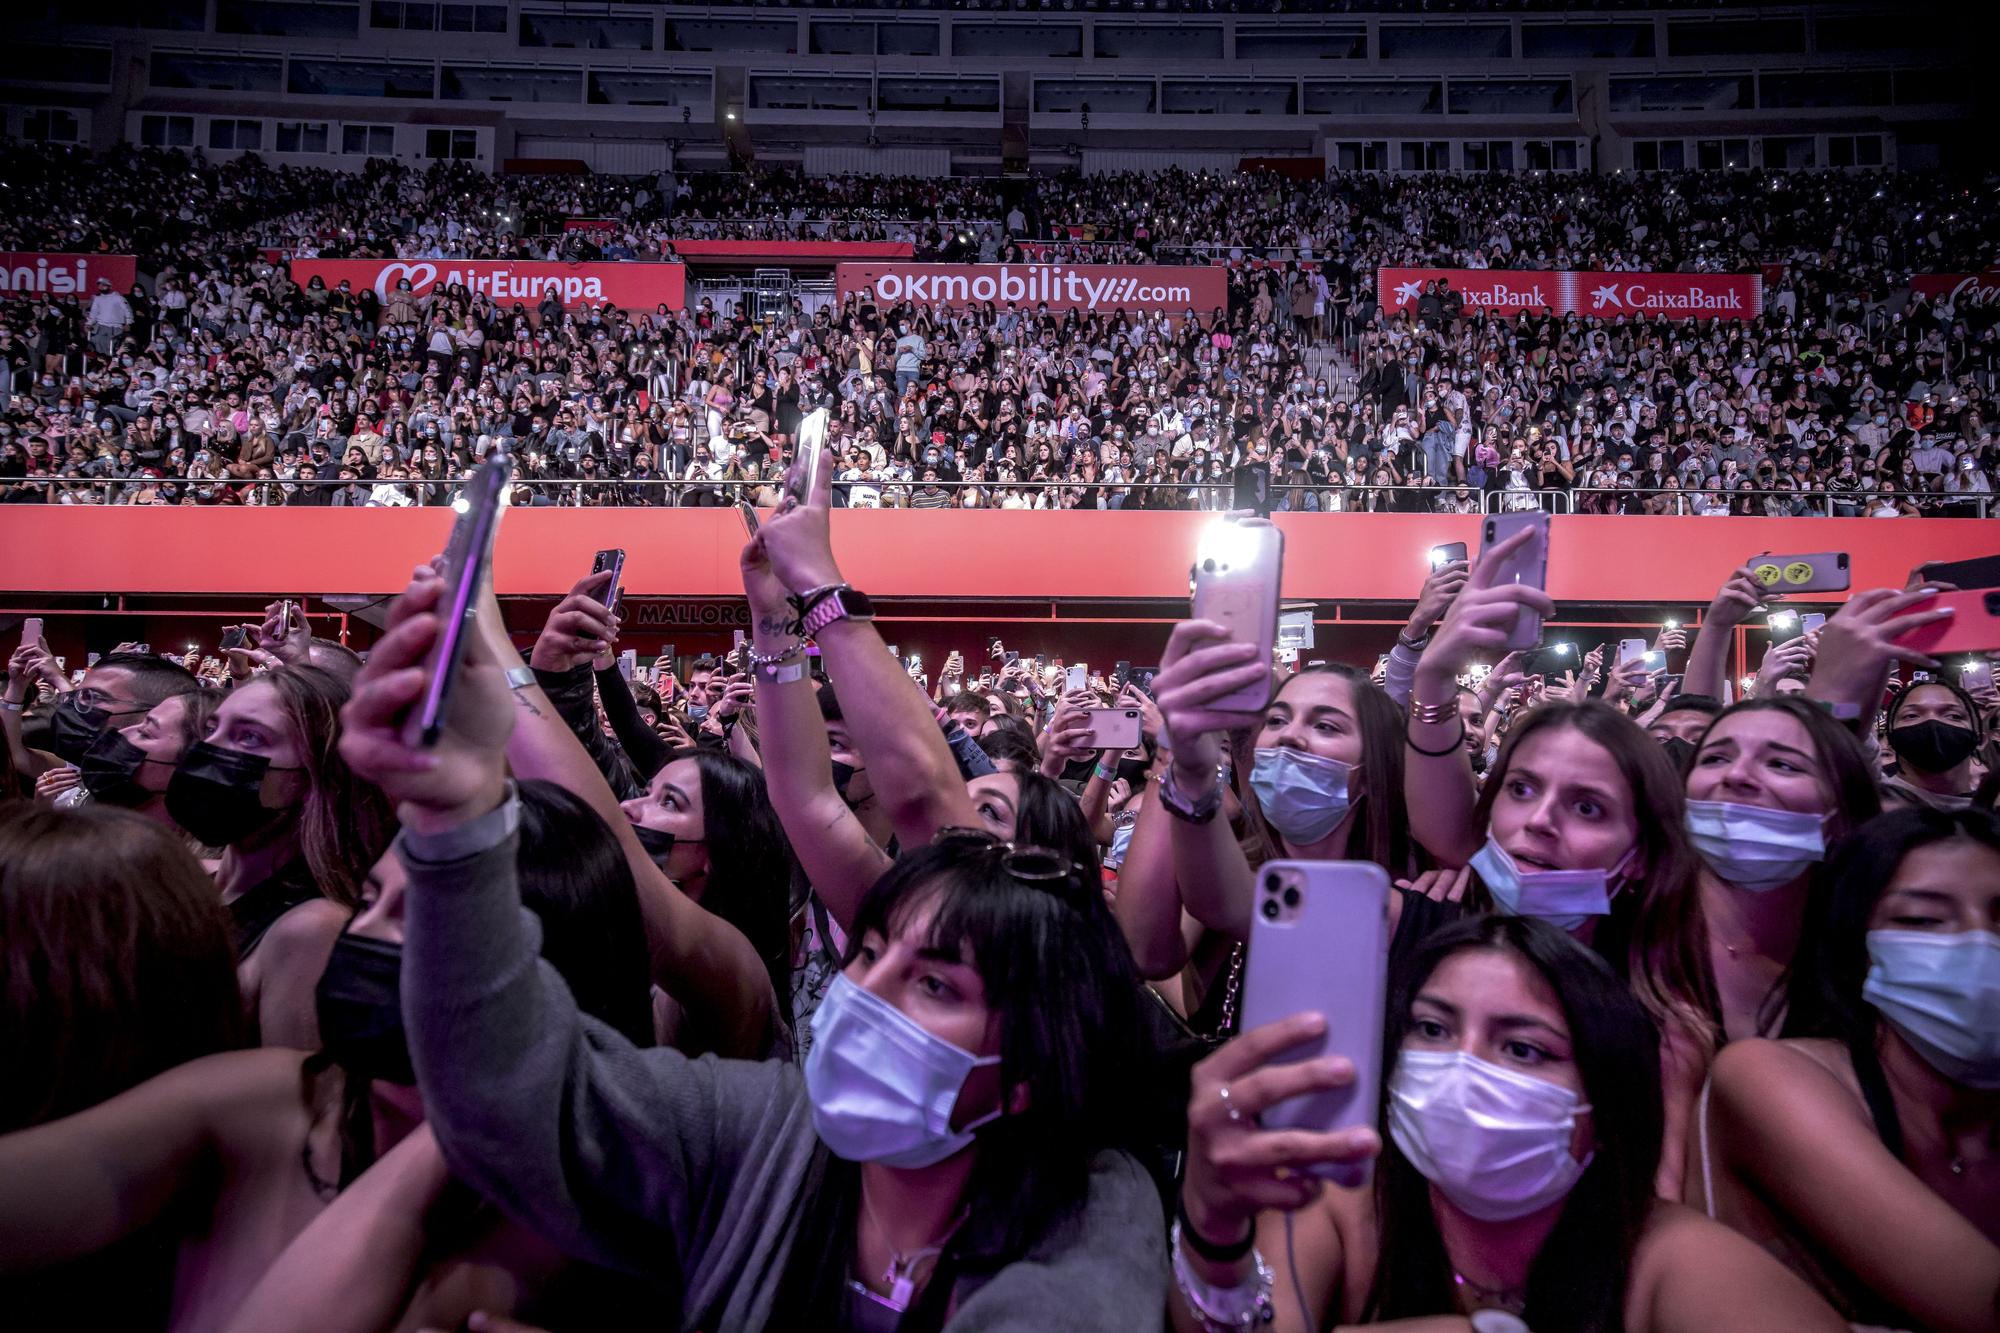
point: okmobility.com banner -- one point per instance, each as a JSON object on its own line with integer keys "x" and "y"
{"x": 1100, "y": 288}
{"x": 1568, "y": 291}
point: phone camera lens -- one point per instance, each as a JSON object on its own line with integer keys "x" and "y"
{"x": 1270, "y": 909}
{"x": 1209, "y": 565}
{"x": 1272, "y": 883}
{"x": 1291, "y": 897}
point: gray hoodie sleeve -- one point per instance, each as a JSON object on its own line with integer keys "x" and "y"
{"x": 683, "y": 1170}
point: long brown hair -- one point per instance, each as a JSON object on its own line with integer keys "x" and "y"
{"x": 1655, "y": 934}
{"x": 1381, "y": 831}
{"x": 344, "y": 823}
{"x": 115, "y": 959}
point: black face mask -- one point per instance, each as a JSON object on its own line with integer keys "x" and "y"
{"x": 659, "y": 843}
{"x": 843, "y": 774}
{"x": 215, "y": 794}
{"x": 74, "y": 728}
{"x": 109, "y": 770}
{"x": 1134, "y": 771}
{"x": 360, "y": 1004}
{"x": 1933, "y": 747}
{"x": 1680, "y": 753}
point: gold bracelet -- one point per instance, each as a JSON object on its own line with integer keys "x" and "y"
{"x": 1433, "y": 714}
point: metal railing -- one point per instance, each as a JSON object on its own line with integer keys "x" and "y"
{"x": 1823, "y": 503}
{"x": 679, "y": 492}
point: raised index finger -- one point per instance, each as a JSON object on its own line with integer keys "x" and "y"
{"x": 1496, "y": 555}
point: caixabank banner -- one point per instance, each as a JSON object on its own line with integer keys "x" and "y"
{"x": 1572, "y": 291}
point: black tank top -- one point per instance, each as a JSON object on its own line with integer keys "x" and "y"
{"x": 255, "y": 912}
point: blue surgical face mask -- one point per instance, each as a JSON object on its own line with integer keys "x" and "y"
{"x": 1303, "y": 796}
{"x": 1942, "y": 993}
{"x": 1563, "y": 898}
{"x": 882, "y": 1087}
{"x": 1752, "y": 847}
{"x": 697, "y": 712}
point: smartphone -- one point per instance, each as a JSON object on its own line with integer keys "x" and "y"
{"x": 1826, "y": 572}
{"x": 1077, "y": 678}
{"x": 1630, "y": 650}
{"x": 739, "y": 651}
{"x": 1529, "y": 565}
{"x": 749, "y": 513}
{"x": 1237, "y": 573}
{"x": 1976, "y": 676}
{"x": 1445, "y": 554}
{"x": 466, "y": 557}
{"x": 809, "y": 456}
{"x": 1114, "y": 728}
{"x": 287, "y": 618}
{"x": 145, "y": 648}
{"x": 1120, "y": 674}
{"x": 1784, "y": 625}
{"x": 613, "y": 560}
{"x": 1973, "y": 627}
{"x": 1812, "y": 622}
{"x": 234, "y": 637}
{"x": 1656, "y": 660}
{"x": 1041, "y": 661}
{"x": 628, "y": 664}
{"x": 1979, "y": 572}
{"x": 31, "y": 630}
{"x": 1010, "y": 659}
{"x": 665, "y": 661}
{"x": 92, "y": 659}
{"x": 1551, "y": 661}
{"x": 1319, "y": 943}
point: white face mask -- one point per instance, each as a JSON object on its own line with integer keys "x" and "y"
{"x": 1563, "y": 898}
{"x": 1752, "y": 847}
{"x": 1942, "y": 993}
{"x": 1494, "y": 1142}
{"x": 882, "y": 1087}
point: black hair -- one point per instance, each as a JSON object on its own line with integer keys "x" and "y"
{"x": 1972, "y": 709}
{"x": 1010, "y": 739}
{"x": 574, "y": 876}
{"x": 154, "y": 678}
{"x": 1062, "y": 983}
{"x": 1046, "y": 814}
{"x": 1578, "y": 1278}
{"x": 1824, "y": 997}
{"x": 752, "y": 874}
{"x": 1692, "y": 703}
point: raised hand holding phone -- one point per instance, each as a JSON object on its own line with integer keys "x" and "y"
{"x": 462, "y": 772}
{"x": 1483, "y": 620}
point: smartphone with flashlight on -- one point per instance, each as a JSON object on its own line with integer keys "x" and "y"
{"x": 1237, "y": 572}
{"x": 1446, "y": 554}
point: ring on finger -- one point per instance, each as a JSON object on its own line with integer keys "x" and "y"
{"x": 1234, "y": 1111}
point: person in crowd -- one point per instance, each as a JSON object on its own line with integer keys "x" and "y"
{"x": 1522, "y": 1101}
{"x": 895, "y": 1172}
{"x": 120, "y": 689}
{"x": 1858, "y": 1149}
{"x": 296, "y": 829}
{"x": 115, "y": 965}
{"x": 225, "y": 1161}
{"x": 1934, "y": 728}
{"x": 1774, "y": 783}
{"x": 1580, "y": 821}
{"x": 132, "y": 766}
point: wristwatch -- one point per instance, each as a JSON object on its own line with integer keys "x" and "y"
{"x": 1177, "y": 805}
{"x": 839, "y": 604}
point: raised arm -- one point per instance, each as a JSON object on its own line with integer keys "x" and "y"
{"x": 887, "y": 714}
{"x": 838, "y": 856}
{"x": 1708, "y": 661}
{"x": 1437, "y": 772}
{"x": 1858, "y": 646}
{"x": 642, "y": 745}
{"x": 698, "y": 958}
{"x": 611, "y": 1153}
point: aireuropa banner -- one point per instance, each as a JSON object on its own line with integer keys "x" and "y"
{"x": 1964, "y": 290}
{"x": 633, "y": 286}
{"x": 1100, "y": 288}
{"x": 1570, "y": 291}
{"x": 40, "y": 273}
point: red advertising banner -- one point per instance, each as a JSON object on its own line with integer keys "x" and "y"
{"x": 1091, "y": 287}
{"x": 1964, "y": 290}
{"x": 632, "y": 286}
{"x": 39, "y": 273}
{"x": 1565, "y": 292}
{"x": 824, "y": 253}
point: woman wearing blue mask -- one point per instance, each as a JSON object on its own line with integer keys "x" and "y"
{"x": 949, "y": 1153}
{"x": 1860, "y": 1149}
{"x": 1316, "y": 776}
{"x": 1774, "y": 783}
{"x": 1523, "y": 1109}
{"x": 1580, "y": 822}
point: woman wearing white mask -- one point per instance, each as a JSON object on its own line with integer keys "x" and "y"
{"x": 1523, "y": 1108}
{"x": 1581, "y": 822}
{"x": 950, "y": 1155}
{"x": 1860, "y": 1150}
{"x": 1774, "y": 783}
